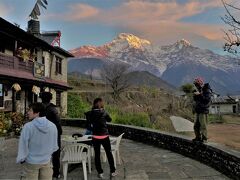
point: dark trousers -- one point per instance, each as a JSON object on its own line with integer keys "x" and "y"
{"x": 56, "y": 160}
{"x": 200, "y": 126}
{"x": 107, "y": 147}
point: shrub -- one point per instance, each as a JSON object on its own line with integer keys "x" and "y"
{"x": 113, "y": 112}
{"x": 214, "y": 118}
{"x": 76, "y": 106}
{"x": 17, "y": 122}
{"x": 11, "y": 122}
{"x": 136, "y": 119}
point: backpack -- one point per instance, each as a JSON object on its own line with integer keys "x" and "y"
{"x": 208, "y": 93}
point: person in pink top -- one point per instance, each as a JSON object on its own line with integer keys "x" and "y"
{"x": 97, "y": 118}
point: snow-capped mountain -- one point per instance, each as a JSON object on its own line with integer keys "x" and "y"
{"x": 178, "y": 63}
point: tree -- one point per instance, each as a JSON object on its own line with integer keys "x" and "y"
{"x": 115, "y": 75}
{"x": 187, "y": 88}
{"x": 232, "y": 35}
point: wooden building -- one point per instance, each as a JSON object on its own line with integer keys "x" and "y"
{"x": 28, "y": 66}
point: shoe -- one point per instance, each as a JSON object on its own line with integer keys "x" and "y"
{"x": 113, "y": 174}
{"x": 57, "y": 176}
{"x": 204, "y": 139}
{"x": 100, "y": 176}
{"x": 197, "y": 140}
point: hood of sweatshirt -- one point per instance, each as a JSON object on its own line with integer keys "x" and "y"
{"x": 42, "y": 124}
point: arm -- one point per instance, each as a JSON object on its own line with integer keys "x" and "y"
{"x": 88, "y": 121}
{"x": 55, "y": 136}
{"x": 23, "y": 145}
{"x": 108, "y": 118}
{"x": 53, "y": 116}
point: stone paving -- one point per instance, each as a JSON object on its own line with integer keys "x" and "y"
{"x": 140, "y": 162}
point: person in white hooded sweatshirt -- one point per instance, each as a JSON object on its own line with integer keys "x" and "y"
{"x": 37, "y": 142}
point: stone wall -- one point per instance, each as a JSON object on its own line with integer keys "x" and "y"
{"x": 224, "y": 161}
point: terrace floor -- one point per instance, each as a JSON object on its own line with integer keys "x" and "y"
{"x": 140, "y": 162}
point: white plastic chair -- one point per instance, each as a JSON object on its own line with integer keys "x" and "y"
{"x": 69, "y": 142}
{"x": 73, "y": 154}
{"x": 115, "y": 150}
{"x": 2, "y": 150}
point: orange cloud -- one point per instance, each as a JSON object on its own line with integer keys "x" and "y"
{"x": 76, "y": 12}
{"x": 154, "y": 20}
{"x": 4, "y": 10}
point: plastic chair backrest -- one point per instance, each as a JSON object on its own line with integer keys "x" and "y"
{"x": 74, "y": 152}
{"x": 119, "y": 140}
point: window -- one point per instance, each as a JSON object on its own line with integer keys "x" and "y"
{"x": 43, "y": 60}
{"x": 58, "y": 65}
{"x": 58, "y": 98}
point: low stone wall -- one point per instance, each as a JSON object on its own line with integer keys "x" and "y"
{"x": 222, "y": 160}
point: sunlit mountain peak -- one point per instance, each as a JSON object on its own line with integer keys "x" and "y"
{"x": 132, "y": 40}
{"x": 184, "y": 42}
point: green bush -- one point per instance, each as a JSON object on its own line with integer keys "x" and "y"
{"x": 113, "y": 112}
{"x": 76, "y": 106}
{"x": 136, "y": 119}
{"x": 214, "y": 118}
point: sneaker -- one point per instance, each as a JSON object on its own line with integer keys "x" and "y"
{"x": 196, "y": 140}
{"x": 113, "y": 174}
{"x": 57, "y": 176}
{"x": 204, "y": 139}
{"x": 100, "y": 176}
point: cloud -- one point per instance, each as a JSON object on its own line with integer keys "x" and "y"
{"x": 5, "y": 10}
{"x": 76, "y": 12}
{"x": 168, "y": 11}
{"x": 157, "y": 20}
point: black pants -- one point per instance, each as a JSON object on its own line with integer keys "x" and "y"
{"x": 107, "y": 147}
{"x": 56, "y": 160}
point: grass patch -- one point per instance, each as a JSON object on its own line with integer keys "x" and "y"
{"x": 231, "y": 119}
{"x": 136, "y": 119}
{"x": 214, "y": 118}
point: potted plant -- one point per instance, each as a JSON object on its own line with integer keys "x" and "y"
{"x": 25, "y": 54}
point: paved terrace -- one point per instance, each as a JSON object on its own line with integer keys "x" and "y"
{"x": 140, "y": 162}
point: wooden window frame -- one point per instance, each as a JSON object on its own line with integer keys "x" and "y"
{"x": 58, "y": 98}
{"x": 58, "y": 65}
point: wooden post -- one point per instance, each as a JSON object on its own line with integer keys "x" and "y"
{"x": 15, "y": 48}
{"x": 13, "y": 100}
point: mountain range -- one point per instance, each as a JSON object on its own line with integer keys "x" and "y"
{"x": 177, "y": 64}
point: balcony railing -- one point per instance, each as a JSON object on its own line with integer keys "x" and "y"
{"x": 12, "y": 62}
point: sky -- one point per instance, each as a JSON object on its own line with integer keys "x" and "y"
{"x": 96, "y": 22}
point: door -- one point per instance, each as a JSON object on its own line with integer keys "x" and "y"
{"x": 234, "y": 108}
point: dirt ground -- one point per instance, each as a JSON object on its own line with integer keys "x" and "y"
{"x": 227, "y": 134}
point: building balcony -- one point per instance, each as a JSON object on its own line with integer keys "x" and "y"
{"x": 12, "y": 62}
{"x": 16, "y": 64}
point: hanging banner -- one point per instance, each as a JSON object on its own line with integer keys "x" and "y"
{"x": 1, "y": 90}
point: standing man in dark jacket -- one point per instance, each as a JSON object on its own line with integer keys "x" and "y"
{"x": 202, "y": 98}
{"x": 53, "y": 116}
{"x": 97, "y": 118}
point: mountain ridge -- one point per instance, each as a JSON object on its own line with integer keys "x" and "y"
{"x": 163, "y": 61}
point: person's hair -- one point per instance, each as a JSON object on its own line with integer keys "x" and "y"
{"x": 95, "y": 103}
{"x": 38, "y": 107}
{"x": 46, "y": 97}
